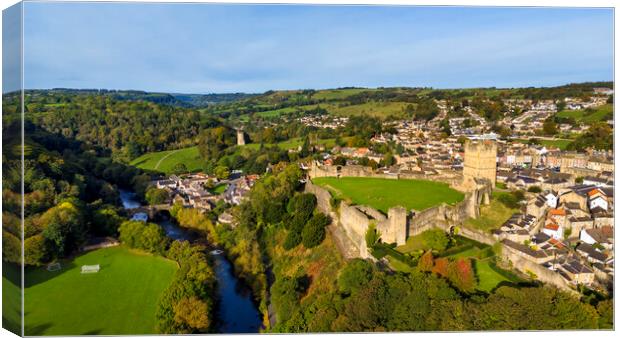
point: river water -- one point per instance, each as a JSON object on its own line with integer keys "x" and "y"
{"x": 236, "y": 310}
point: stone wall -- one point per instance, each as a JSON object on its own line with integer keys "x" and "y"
{"x": 542, "y": 274}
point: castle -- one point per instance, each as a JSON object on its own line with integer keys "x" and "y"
{"x": 240, "y": 137}
{"x": 480, "y": 162}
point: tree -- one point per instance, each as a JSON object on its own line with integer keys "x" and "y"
{"x": 426, "y": 262}
{"x": 11, "y": 248}
{"x": 549, "y": 126}
{"x": 35, "y": 250}
{"x": 435, "y": 239}
{"x": 314, "y": 231}
{"x": 193, "y": 312}
{"x": 354, "y": 275}
{"x": 155, "y": 196}
{"x": 222, "y": 172}
{"x": 461, "y": 274}
{"x": 106, "y": 221}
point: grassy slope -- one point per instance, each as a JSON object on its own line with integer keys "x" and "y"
{"x": 188, "y": 156}
{"x": 561, "y": 144}
{"x": 382, "y": 193}
{"x": 121, "y": 299}
{"x": 378, "y": 109}
{"x": 599, "y": 114}
{"x": 322, "y": 264}
{"x": 11, "y": 297}
{"x": 492, "y": 215}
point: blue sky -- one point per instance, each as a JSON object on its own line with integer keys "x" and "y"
{"x": 202, "y": 48}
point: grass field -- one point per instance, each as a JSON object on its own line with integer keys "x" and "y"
{"x": 294, "y": 143}
{"x": 561, "y": 144}
{"x": 339, "y": 94}
{"x": 373, "y": 108}
{"x": 164, "y": 161}
{"x": 120, "y": 299}
{"x": 11, "y": 297}
{"x": 492, "y": 215}
{"x": 382, "y": 194}
{"x": 601, "y": 113}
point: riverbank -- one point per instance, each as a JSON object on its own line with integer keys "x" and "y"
{"x": 236, "y": 309}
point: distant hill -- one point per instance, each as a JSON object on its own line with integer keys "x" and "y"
{"x": 172, "y": 99}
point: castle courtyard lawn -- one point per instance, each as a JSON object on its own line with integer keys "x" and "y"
{"x": 121, "y": 298}
{"x": 382, "y": 194}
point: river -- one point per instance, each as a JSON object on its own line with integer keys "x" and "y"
{"x": 236, "y": 311}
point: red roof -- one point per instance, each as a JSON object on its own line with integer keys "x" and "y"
{"x": 552, "y": 226}
{"x": 558, "y": 212}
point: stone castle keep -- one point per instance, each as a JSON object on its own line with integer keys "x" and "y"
{"x": 352, "y": 221}
{"x": 480, "y": 161}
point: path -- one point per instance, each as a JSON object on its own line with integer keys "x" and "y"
{"x": 163, "y": 158}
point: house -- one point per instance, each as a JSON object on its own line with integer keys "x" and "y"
{"x": 162, "y": 184}
{"x": 576, "y": 272}
{"x": 591, "y": 254}
{"x": 597, "y": 181}
{"x": 537, "y": 206}
{"x": 551, "y": 199}
{"x": 552, "y": 229}
{"x": 602, "y": 236}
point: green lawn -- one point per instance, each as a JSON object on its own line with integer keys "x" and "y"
{"x": 120, "y": 299}
{"x": 11, "y": 297}
{"x": 492, "y": 215}
{"x": 382, "y": 194}
{"x": 164, "y": 161}
{"x": 219, "y": 189}
{"x": 601, "y": 113}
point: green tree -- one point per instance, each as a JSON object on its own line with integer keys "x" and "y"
{"x": 313, "y": 233}
{"x": 155, "y": 196}
{"x": 354, "y": 275}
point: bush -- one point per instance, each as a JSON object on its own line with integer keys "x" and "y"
{"x": 293, "y": 238}
{"x": 534, "y": 189}
{"x": 314, "y": 231}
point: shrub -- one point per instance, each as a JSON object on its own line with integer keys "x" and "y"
{"x": 156, "y": 196}
{"x": 314, "y": 231}
{"x": 293, "y": 238}
{"x": 534, "y": 189}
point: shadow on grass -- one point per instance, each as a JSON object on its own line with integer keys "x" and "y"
{"x": 37, "y": 275}
{"x": 37, "y": 330}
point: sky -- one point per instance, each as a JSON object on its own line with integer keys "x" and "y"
{"x": 207, "y": 48}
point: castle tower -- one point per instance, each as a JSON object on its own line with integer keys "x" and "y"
{"x": 240, "y": 137}
{"x": 480, "y": 161}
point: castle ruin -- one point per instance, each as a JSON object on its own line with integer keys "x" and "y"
{"x": 480, "y": 162}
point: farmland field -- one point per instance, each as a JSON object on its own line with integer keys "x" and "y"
{"x": 164, "y": 161}
{"x": 382, "y": 194}
{"x": 120, "y": 299}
